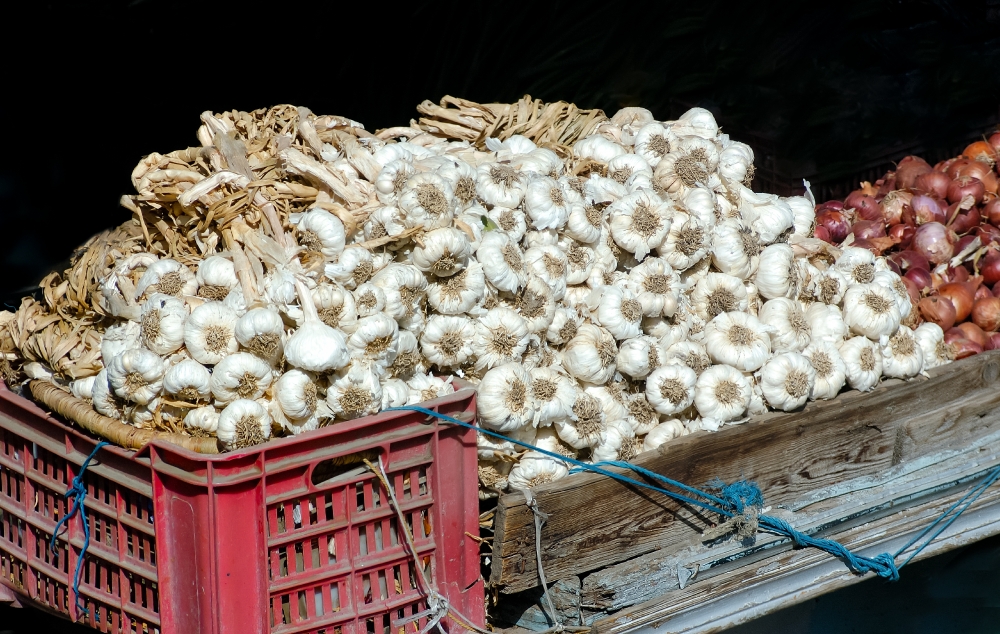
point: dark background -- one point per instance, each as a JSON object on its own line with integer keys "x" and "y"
{"x": 830, "y": 91}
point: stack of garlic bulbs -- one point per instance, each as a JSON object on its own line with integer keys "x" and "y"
{"x": 604, "y": 296}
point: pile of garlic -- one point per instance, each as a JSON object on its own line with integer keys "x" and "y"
{"x": 603, "y": 299}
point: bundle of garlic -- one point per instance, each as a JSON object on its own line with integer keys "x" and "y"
{"x": 607, "y": 284}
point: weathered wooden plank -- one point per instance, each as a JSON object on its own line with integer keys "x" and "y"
{"x": 595, "y": 521}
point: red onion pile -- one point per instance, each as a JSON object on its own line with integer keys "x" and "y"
{"x": 940, "y": 227}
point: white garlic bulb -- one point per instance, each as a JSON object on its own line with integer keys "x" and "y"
{"x": 663, "y": 433}
{"x": 778, "y": 273}
{"x": 585, "y": 223}
{"x": 656, "y": 285}
{"x": 136, "y": 375}
{"x": 395, "y": 172}
{"x": 425, "y": 387}
{"x": 619, "y": 311}
{"x": 826, "y": 323}
{"x": 722, "y": 393}
{"x": 500, "y": 185}
{"x": 321, "y": 231}
{"x": 787, "y": 380}
{"x": 427, "y": 201}
{"x": 443, "y": 252}
{"x": 240, "y": 375}
{"x": 670, "y": 389}
{"x": 459, "y": 293}
{"x": 511, "y": 221}
{"x": 103, "y": 397}
{"x": 536, "y": 305}
{"x": 546, "y": 203}
{"x": 863, "y": 361}
{"x": 611, "y": 443}
{"x": 534, "y": 469}
{"x": 831, "y": 372}
{"x": 587, "y": 426}
{"x": 447, "y": 340}
{"x": 902, "y": 356}
{"x": 718, "y": 293}
{"x": 403, "y": 285}
{"x": 354, "y": 392}
{"x": 639, "y": 356}
{"x": 296, "y": 395}
{"x": 829, "y": 286}
{"x": 652, "y": 142}
{"x": 564, "y": 326}
{"x": 502, "y": 261}
{"x": 739, "y": 340}
{"x": 894, "y": 283}
{"x": 501, "y": 337}
{"x": 791, "y": 331}
{"x": 549, "y": 263}
{"x": 774, "y": 219}
{"x": 935, "y": 351}
{"x": 169, "y": 277}
{"x": 375, "y": 342}
{"x": 337, "y": 308}
{"x": 590, "y": 355}
{"x": 857, "y": 265}
{"x": 209, "y": 333}
{"x": 394, "y": 393}
{"x": 243, "y": 423}
{"x": 736, "y": 249}
{"x": 642, "y": 417}
{"x": 871, "y": 310}
{"x": 408, "y": 359}
{"x": 261, "y": 331}
{"x": 216, "y": 277}
{"x": 354, "y": 267}
{"x": 613, "y": 400}
{"x": 554, "y": 394}
{"x": 580, "y": 260}
{"x": 690, "y": 354}
{"x": 189, "y": 381}
{"x": 696, "y": 122}
{"x": 640, "y": 222}
{"x": 803, "y": 213}
{"x": 119, "y": 338}
{"x": 687, "y": 241}
{"x": 202, "y": 419}
{"x": 368, "y": 300}
{"x": 314, "y": 346}
{"x": 735, "y": 161}
{"x": 505, "y": 400}
{"x": 83, "y": 388}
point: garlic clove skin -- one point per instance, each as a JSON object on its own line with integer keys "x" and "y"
{"x": 240, "y": 376}
{"x": 826, "y": 323}
{"x": 778, "y": 273}
{"x": 696, "y": 122}
{"x": 722, "y": 393}
{"x": 902, "y": 356}
{"x": 863, "y": 361}
{"x": 935, "y": 351}
{"x": 459, "y": 293}
{"x": 739, "y": 340}
{"x": 787, "y": 380}
{"x": 663, "y": 433}
{"x": 261, "y": 332}
{"x": 83, "y": 388}
{"x": 394, "y": 393}
{"x": 203, "y": 419}
{"x": 354, "y": 392}
{"x": 620, "y": 312}
{"x": 505, "y": 400}
{"x": 296, "y": 394}
{"x": 501, "y": 337}
{"x": 640, "y": 222}
{"x": 871, "y": 310}
{"x": 189, "y": 381}
{"x": 445, "y": 252}
{"x": 103, "y": 397}
{"x": 670, "y": 389}
{"x": 535, "y": 469}
{"x": 791, "y": 331}
{"x": 243, "y": 423}
{"x": 320, "y": 231}
{"x": 209, "y": 333}
{"x": 168, "y": 277}
{"x": 831, "y": 372}
{"x": 216, "y": 277}
{"x": 426, "y": 387}
{"x": 590, "y": 355}
{"x": 136, "y": 375}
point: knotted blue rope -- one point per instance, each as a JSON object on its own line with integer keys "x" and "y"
{"x": 739, "y": 497}
{"x": 77, "y": 491}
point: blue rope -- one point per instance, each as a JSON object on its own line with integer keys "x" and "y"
{"x": 77, "y": 491}
{"x": 733, "y": 499}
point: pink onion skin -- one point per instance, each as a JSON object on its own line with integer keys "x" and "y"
{"x": 938, "y": 310}
{"x": 933, "y": 184}
{"x": 836, "y": 223}
{"x": 981, "y": 293}
{"x": 982, "y": 171}
{"x": 911, "y": 290}
{"x": 822, "y": 233}
{"x": 987, "y": 233}
{"x": 973, "y": 333}
{"x": 986, "y": 313}
{"x": 962, "y": 348}
{"x": 921, "y": 278}
{"x": 963, "y": 222}
{"x": 963, "y": 242}
{"x": 861, "y": 243}
{"x": 835, "y": 205}
{"x": 935, "y": 242}
{"x": 909, "y": 169}
{"x": 991, "y": 212}
{"x": 892, "y": 206}
{"x": 902, "y": 233}
{"x": 994, "y": 342}
{"x": 989, "y": 267}
{"x": 868, "y": 229}
{"x": 909, "y": 259}
{"x": 966, "y": 186}
{"x": 864, "y": 205}
{"x": 927, "y": 209}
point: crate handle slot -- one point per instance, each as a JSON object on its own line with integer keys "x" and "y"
{"x": 342, "y": 468}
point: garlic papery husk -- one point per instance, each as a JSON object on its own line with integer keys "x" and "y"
{"x": 739, "y": 340}
{"x": 541, "y": 161}
{"x": 320, "y": 231}
{"x": 736, "y": 163}
{"x": 902, "y": 356}
{"x": 640, "y": 222}
{"x": 209, "y": 333}
{"x": 580, "y": 260}
{"x": 614, "y": 401}
{"x": 629, "y": 121}
{"x": 696, "y": 122}
{"x": 395, "y": 393}
{"x": 540, "y": 238}
{"x": 103, "y": 398}
{"x": 619, "y": 312}
{"x": 336, "y": 307}
{"x": 443, "y": 252}
{"x": 462, "y": 177}
{"x": 692, "y": 162}
{"x": 189, "y": 381}
{"x": 702, "y": 204}
{"x": 585, "y": 223}
{"x": 826, "y": 323}
{"x": 83, "y": 388}
{"x": 136, "y": 375}
{"x": 403, "y": 285}
{"x": 597, "y": 148}
{"x": 642, "y": 418}
{"x": 408, "y": 359}
{"x": 162, "y": 323}
{"x": 787, "y": 380}
{"x": 295, "y": 393}
{"x": 670, "y": 388}
{"x": 831, "y": 372}
{"x": 610, "y": 446}
{"x": 117, "y": 288}
{"x": 656, "y": 285}
{"x": 718, "y": 293}
{"x": 368, "y": 300}
{"x": 493, "y": 478}
{"x": 590, "y": 355}
{"x": 390, "y": 181}
{"x": 505, "y": 400}
{"x": 447, "y": 340}
{"x": 501, "y": 337}
{"x": 686, "y": 243}
{"x": 736, "y": 249}
{"x": 663, "y": 433}
{"x": 244, "y": 423}
{"x": 386, "y": 222}
{"x": 564, "y": 326}
{"x": 587, "y": 426}
{"x": 871, "y": 310}
{"x": 460, "y": 292}
{"x": 354, "y": 267}
{"x": 857, "y": 265}
{"x": 236, "y": 301}
{"x": 688, "y": 353}
{"x": 502, "y": 261}
{"x": 169, "y": 277}
{"x": 260, "y": 331}
{"x": 500, "y": 185}
{"x": 639, "y": 356}
{"x": 774, "y": 219}
{"x": 375, "y": 342}
{"x": 511, "y": 221}
{"x": 894, "y": 283}
{"x": 791, "y": 331}
{"x": 803, "y": 214}
{"x": 216, "y": 277}
{"x": 536, "y": 304}
{"x": 550, "y": 264}
{"x": 722, "y": 393}
{"x": 863, "y": 361}
{"x": 202, "y": 420}
{"x": 546, "y": 203}
{"x": 119, "y": 338}
{"x": 427, "y": 201}
{"x": 829, "y": 287}
{"x": 539, "y": 354}
{"x": 935, "y": 351}
{"x": 425, "y": 387}
{"x": 534, "y": 469}
{"x": 240, "y": 375}
{"x": 354, "y": 392}
{"x": 554, "y": 394}
{"x": 778, "y": 273}
{"x": 652, "y": 142}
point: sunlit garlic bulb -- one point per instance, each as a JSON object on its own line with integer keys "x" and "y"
{"x": 459, "y": 293}
{"x": 690, "y": 354}
{"x": 863, "y": 361}
{"x": 502, "y": 261}
{"x": 619, "y": 311}
{"x": 590, "y": 355}
{"x": 426, "y": 387}
{"x": 718, "y": 293}
{"x": 935, "y": 351}
{"x": 506, "y": 401}
{"x": 857, "y": 265}
{"x": 656, "y": 286}
{"x": 240, "y": 375}
{"x": 202, "y": 420}
{"x": 791, "y": 330}
{"x": 162, "y": 323}
{"x": 209, "y": 333}
{"x": 736, "y": 249}
{"x": 687, "y": 242}
{"x": 354, "y": 392}
{"x": 535, "y": 469}
{"x": 136, "y": 375}
{"x": 385, "y": 222}
{"x": 368, "y": 300}
{"x": 554, "y": 394}
{"x": 580, "y": 260}
{"x": 320, "y": 231}
{"x": 375, "y": 342}
{"x": 500, "y": 185}
{"x": 585, "y": 222}
{"x": 739, "y": 340}
{"x": 404, "y": 287}
{"x": 722, "y": 393}
{"x": 652, "y": 142}
{"x": 663, "y": 433}
{"x": 902, "y": 356}
{"x": 296, "y": 394}
{"x": 216, "y": 277}
{"x": 787, "y": 380}
{"x": 103, "y": 397}
{"x": 243, "y": 423}
{"x": 189, "y": 381}
{"x": 261, "y": 331}
{"x": 427, "y": 201}
{"x": 536, "y": 304}
{"x": 639, "y": 356}
{"x": 778, "y": 274}
{"x": 670, "y": 388}
{"x": 550, "y": 264}
{"x": 354, "y": 267}
{"x": 697, "y": 122}
{"x": 545, "y": 203}
{"x": 168, "y": 277}
{"x": 443, "y": 252}
{"x": 871, "y": 310}
{"x": 501, "y": 337}
{"x": 447, "y": 340}
{"x": 408, "y": 359}
{"x": 565, "y": 323}
{"x": 831, "y": 372}
{"x": 392, "y": 179}
{"x": 640, "y": 222}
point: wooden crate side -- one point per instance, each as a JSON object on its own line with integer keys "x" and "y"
{"x": 596, "y": 522}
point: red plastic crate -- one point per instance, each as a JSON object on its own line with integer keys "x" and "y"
{"x": 290, "y": 536}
